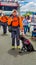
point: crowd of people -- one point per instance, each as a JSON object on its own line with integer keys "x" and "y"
{"x": 15, "y": 24}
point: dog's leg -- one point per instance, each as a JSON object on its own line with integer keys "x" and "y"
{"x": 30, "y": 48}
{"x": 22, "y": 49}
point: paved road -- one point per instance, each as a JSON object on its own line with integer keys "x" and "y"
{"x": 9, "y": 57}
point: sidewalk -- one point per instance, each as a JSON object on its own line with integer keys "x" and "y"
{"x": 10, "y": 57}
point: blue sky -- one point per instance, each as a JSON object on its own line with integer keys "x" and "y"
{"x": 30, "y": 0}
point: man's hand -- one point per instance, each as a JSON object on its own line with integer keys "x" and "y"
{"x": 22, "y": 29}
{"x": 22, "y": 32}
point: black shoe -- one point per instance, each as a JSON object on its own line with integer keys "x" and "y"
{"x": 13, "y": 47}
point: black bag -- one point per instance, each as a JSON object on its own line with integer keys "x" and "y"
{"x": 10, "y": 28}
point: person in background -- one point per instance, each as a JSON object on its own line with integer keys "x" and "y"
{"x": 33, "y": 18}
{"x": 34, "y": 31}
{"x": 25, "y": 24}
{"x": 17, "y": 25}
{"x": 0, "y": 19}
{"x": 29, "y": 21}
{"x": 3, "y": 20}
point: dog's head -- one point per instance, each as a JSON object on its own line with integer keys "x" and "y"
{"x": 22, "y": 37}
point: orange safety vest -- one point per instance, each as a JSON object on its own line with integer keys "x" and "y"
{"x": 15, "y": 21}
{"x": 4, "y": 19}
{"x": 0, "y": 18}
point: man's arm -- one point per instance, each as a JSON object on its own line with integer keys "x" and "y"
{"x": 9, "y": 21}
{"x": 20, "y": 23}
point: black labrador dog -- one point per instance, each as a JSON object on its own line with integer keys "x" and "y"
{"x": 26, "y": 44}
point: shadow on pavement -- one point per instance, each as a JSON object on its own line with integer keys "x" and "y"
{"x": 15, "y": 53}
{"x": 4, "y": 35}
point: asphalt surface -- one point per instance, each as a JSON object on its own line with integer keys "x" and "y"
{"x": 10, "y": 57}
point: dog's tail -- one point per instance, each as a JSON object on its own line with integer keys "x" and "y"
{"x": 34, "y": 50}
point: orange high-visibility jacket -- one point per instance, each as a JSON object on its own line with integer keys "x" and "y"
{"x": 4, "y": 19}
{"x": 15, "y": 21}
{"x": 22, "y": 18}
{"x": 0, "y": 18}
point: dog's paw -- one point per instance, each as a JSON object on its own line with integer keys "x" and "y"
{"x": 21, "y": 51}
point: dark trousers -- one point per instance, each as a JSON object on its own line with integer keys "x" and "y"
{"x": 4, "y": 25}
{"x": 15, "y": 34}
{"x": 28, "y": 29}
{"x": 25, "y": 29}
{"x": 4, "y": 29}
{"x": 0, "y": 23}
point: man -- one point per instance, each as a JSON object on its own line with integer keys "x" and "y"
{"x": 3, "y": 20}
{"x": 16, "y": 23}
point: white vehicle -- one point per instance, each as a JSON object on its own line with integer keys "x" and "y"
{"x": 8, "y": 7}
